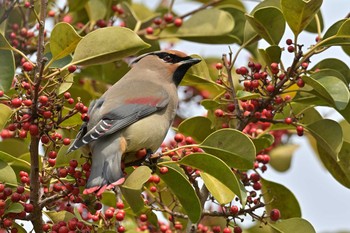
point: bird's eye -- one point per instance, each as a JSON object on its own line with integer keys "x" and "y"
{"x": 168, "y": 58}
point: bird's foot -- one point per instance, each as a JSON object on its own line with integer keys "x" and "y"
{"x": 100, "y": 189}
{"x": 151, "y": 160}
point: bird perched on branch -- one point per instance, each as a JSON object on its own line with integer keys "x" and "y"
{"x": 135, "y": 113}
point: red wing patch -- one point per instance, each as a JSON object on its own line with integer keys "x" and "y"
{"x": 151, "y": 100}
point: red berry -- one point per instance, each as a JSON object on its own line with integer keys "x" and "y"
{"x": 300, "y": 130}
{"x": 52, "y": 154}
{"x": 62, "y": 172}
{"x": 255, "y": 177}
{"x": 179, "y": 137}
{"x": 109, "y": 213}
{"x": 66, "y": 141}
{"x": 28, "y": 102}
{"x": 26, "y": 4}
{"x": 67, "y": 95}
{"x": 289, "y": 41}
{"x": 153, "y": 189}
{"x": 178, "y": 22}
{"x": 27, "y": 66}
{"x": 300, "y": 82}
{"x": 45, "y": 139}
{"x": 119, "y": 216}
{"x": 227, "y": 230}
{"x": 72, "y": 68}
{"x": 51, "y": 13}
{"x": 237, "y": 229}
{"x": 291, "y": 48}
{"x": 52, "y": 162}
{"x": 218, "y": 66}
{"x": 247, "y": 83}
{"x": 168, "y": 18}
{"x": 275, "y": 214}
{"x": 274, "y": 65}
{"x": 189, "y": 140}
{"x": 22, "y": 133}
{"x": 85, "y": 117}
{"x": 1, "y": 93}
{"x": 47, "y": 114}
{"x": 149, "y": 30}
{"x": 304, "y": 65}
{"x": 157, "y": 21}
{"x": 120, "y": 205}
{"x": 141, "y": 153}
{"x": 143, "y": 218}
{"x": 270, "y": 88}
{"x": 73, "y": 163}
{"x": 219, "y": 113}
{"x": 121, "y": 229}
{"x": 288, "y": 120}
{"x": 7, "y": 222}
{"x": 16, "y": 102}
{"x": 28, "y": 208}
{"x": 257, "y": 186}
{"x": 43, "y": 99}
{"x": 243, "y": 70}
{"x": 33, "y": 130}
{"x": 234, "y": 209}
{"x": 163, "y": 170}
{"x": 70, "y": 100}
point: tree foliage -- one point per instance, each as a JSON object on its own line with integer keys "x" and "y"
{"x": 210, "y": 176}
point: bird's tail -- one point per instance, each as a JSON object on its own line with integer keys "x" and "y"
{"x": 106, "y": 170}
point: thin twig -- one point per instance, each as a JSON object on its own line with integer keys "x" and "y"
{"x": 7, "y": 12}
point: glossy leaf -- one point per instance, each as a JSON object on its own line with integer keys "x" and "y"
{"x": 313, "y": 25}
{"x": 231, "y": 146}
{"x": 281, "y": 157}
{"x": 346, "y": 128}
{"x": 15, "y": 208}
{"x": 59, "y": 216}
{"x": 332, "y": 30}
{"x": 342, "y": 37}
{"x": 338, "y": 166}
{"x": 114, "y": 43}
{"x": 197, "y": 127}
{"x": 299, "y": 13}
{"x": 271, "y": 54}
{"x": 330, "y": 88}
{"x": 7, "y": 67}
{"x": 133, "y": 198}
{"x": 184, "y": 192}
{"x": 216, "y": 168}
{"x": 138, "y": 177}
{"x": 109, "y": 198}
{"x": 96, "y": 10}
{"x": 245, "y": 95}
{"x": 63, "y": 40}
{"x": 220, "y": 191}
{"x": 336, "y": 64}
{"x": 5, "y": 114}
{"x": 7, "y": 175}
{"x": 263, "y": 141}
{"x": 278, "y": 196}
{"x": 204, "y": 27}
{"x": 4, "y": 44}
{"x": 14, "y": 147}
{"x": 293, "y": 225}
{"x": 268, "y": 23}
{"x": 68, "y": 82}
{"x": 328, "y": 134}
{"x": 16, "y": 163}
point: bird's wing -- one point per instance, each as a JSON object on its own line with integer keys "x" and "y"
{"x": 132, "y": 110}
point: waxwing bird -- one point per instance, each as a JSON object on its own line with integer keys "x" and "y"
{"x": 135, "y": 113}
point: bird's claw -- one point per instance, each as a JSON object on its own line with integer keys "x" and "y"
{"x": 151, "y": 160}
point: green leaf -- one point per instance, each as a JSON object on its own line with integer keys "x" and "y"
{"x": 184, "y": 192}
{"x": 281, "y": 157}
{"x": 342, "y": 37}
{"x": 220, "y": 191}
{"x": 15, "y": 208}
{"x": 7, "y": 175}
{"x": 59, "y": 216}
{"x": 210, "y": 104}
{"x": 7, "y": 67}
{"x": 134, "y": 199}
{"x": 231, "y": 146}
{"x": 205, "y": 26}
{"x": 293, "y": 225}
{"x": 63, "y": 158}
{"x": 313, "y": 25}
{"x": 109, "y": 198}
{"x": 246, "y": 95}
{"x": 4, "y": 44}
{"x": 271, "y": 54}
{"x": 74, "y": 5}
{"x": 138, "y": 177}
{"x": 68, "y": 82}
{"x": 5, "y": 114}
{"x": 299, "y": 13}
{"x": 330, "y": 88}
{"x": 278, "y": 196}
{"x": 328, "y": 134}
{"x": 20, "y": 228}
{"x": 268, "y": 23}
{"x": 338, "y": 167}
{"x": 96, "y": 9}
{"x": 332, "y": 30}
{"x": 197, "y": 127}
{"x": 114, "y": 43}
{"x": 63, "y": 40}
{"x": 216, "y": 168}
{"x": 263, "y": 141}
{"x": 14, "y": 147}
{"x": 14, "y": 162}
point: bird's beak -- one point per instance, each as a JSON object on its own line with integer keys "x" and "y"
{"x": 191, "y": 61}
